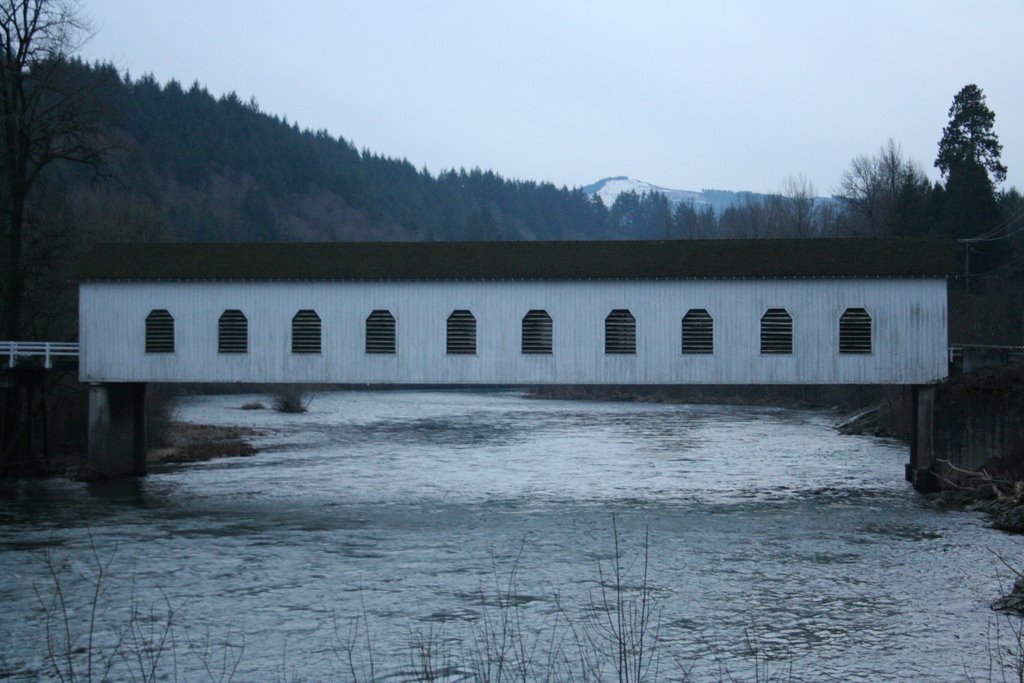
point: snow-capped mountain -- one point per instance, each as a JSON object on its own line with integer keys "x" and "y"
{"x": 719, "y": 200}
{"x": 610, "y": 188}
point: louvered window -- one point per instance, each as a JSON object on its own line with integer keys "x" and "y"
{"x": 698, "y": 332}
{"x": 306, "y": 332}
{"x": 232, "y": 332}
{"x": 537, "y": 332}
{"x": 380, "y": 332}
{"x": 855, "y": 331}
{"x": 620, "y": 332}
{"x": 461, "y": 333}
{"x": 776, "y": 331}
{"x": 159, "y": 332}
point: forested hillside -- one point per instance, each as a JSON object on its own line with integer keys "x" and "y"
{"x": 176, "y": 163}
{"x": 182, "y": 164}
{"x": 201, "y": 168}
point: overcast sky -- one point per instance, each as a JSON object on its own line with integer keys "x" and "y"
{"x": 686, "y": 95}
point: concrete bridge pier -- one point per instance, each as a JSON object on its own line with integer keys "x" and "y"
{"x": 117, "y": 429}
{"x": 921, "y": 468}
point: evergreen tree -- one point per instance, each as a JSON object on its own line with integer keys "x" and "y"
{"x": 969, "y": 140}
{"x": 967, "y": 204}
{"x": 969, "y": 159}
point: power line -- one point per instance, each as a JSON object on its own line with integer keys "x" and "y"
{"x": 990, "y": 236}
{"x": 1004, "y": 224}
{"x": 1012, "y": 262}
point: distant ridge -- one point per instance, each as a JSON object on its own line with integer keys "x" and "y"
{"x": 608, "y": 189}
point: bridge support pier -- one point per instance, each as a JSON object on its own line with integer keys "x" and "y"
{"x": 921, "y": 468}
{"x": 117, "y": 429}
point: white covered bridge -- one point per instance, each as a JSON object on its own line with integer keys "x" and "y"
{"x": 509, "y": 313}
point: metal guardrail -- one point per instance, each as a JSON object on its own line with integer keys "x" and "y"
{"x": 972, "y": 356}
{"x": 15, "y": 353}
{"x": 48, "y": 352}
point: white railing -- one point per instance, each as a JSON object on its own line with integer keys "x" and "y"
{"x": 13, "y": 352}
{"x": 1008, "y": 354}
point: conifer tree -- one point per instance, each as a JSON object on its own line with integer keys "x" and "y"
{"x": 969, "y": 159}
{"x": 969, "y": 140}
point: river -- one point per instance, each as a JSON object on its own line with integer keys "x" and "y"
{"x": 440, "y": 520}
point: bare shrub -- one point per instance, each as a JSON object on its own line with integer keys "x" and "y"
{"x": 80, "y": 643}
{"x": 430, "y": 655}
{"x": 71, "y": 653}
{"x": 347, "y": 648}
{"x": 617, "y": 639}
{"x": 290, "y": 398}
{"x": 87, "y": 640}
{"x": 624, "y": 616}
{"x": 219, "y": 658}
{"x": 500, "y": 648}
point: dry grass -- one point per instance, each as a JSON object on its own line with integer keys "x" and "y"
{"x": 198, "y": 443}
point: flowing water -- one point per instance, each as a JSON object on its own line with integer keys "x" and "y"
{"x": 434, "y": 518}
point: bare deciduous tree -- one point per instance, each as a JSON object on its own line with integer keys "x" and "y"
{"x": 42, "y": 117}
{"x": 799, "y": 199}
{"x": 42, "y": 122}
{"x": 881, "y": 193}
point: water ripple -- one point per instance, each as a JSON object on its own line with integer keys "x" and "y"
{"x": 426, "y": 512}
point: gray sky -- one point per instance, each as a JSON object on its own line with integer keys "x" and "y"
{"x": 687, "y": 95}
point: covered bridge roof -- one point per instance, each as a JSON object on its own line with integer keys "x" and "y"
{"x": 548, "y": 260}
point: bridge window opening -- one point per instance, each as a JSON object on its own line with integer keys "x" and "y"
{"x": 380, "y": 332}
{"x": 461, "y": 333}
{"x": 306, "y": 332}
{"x": 232, "y": 332}
{"x": 159, "y": 332}
{"x": 620, "y": 332}
{"x": 776, "y": 332}
{"x": 537, "y": 332}
{"x": 698, "y": 332}
{"x": 855, "y": 331}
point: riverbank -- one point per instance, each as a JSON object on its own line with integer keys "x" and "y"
{"x": 997, "y": 490}
{"x": 977, "y": 444}
{"x": 180, "y": 443}
{"x": 838, "y": 397}
{"x": 866, "y": 410}
{"x": 188, "y": 443}
{"x": 887, "y": 418}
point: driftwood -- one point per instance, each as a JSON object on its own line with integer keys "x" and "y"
{"x": 1001, "y": 497}
{"x": 1014, "y": 600}
{"x": 1004, "y": 490}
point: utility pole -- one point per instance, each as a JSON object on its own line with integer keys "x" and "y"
{"x": 967, "y": 261}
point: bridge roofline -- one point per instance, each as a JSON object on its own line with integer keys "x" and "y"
{"x": 523, "y": 260}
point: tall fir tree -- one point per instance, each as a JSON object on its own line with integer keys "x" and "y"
{"x": 969, "y": 140}
{"x": 969, "y": 159}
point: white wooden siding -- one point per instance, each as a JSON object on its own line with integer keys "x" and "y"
{"x": 908, "y": 327}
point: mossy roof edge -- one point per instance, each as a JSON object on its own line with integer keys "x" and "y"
{"x": 539, "y": 260}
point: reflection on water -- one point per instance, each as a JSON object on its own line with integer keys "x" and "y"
{"x": 408, "y": 507}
